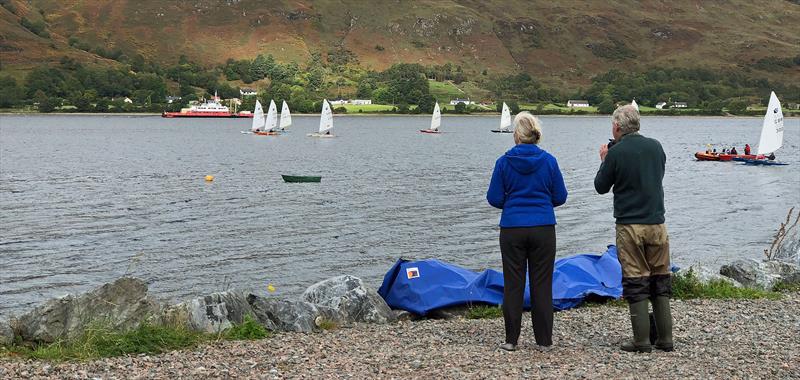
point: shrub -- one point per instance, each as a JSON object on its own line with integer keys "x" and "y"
{"x": 249, "y": 329}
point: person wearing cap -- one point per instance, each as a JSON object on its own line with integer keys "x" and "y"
{"x": 634, "y": 168}
{"x": 527, "y": 185}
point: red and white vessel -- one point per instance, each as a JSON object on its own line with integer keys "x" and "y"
{"x": 211, "y": 108}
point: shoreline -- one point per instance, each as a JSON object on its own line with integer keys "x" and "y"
{"x": 482, "y": 114}
{"x": 714, "y": 338}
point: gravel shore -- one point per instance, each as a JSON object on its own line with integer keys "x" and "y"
{"x": 714, "y": 339}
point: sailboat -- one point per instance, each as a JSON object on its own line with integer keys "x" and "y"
{"x": 505, "y": 121}
{"x": 258, "y": 119}
{"x": 271, "y": 122}
{"x": 325, "y": 121}
{"x": 771, "y": 134}
{"x": 286, "y": 117}
{"x": 436, "y": 121}
{"x": 633, "y": 103}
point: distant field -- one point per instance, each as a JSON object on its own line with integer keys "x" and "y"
{"x": 366, "y": 108}
{"x": 444, "y": 92}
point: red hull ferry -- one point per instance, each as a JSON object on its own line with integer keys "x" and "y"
{"x": 211, "y": 108}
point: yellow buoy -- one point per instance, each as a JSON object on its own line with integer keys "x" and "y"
{"x": 270, "y": 288}
{"x": 209, "y": 178}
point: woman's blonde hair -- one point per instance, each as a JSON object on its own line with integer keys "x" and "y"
{"x": 527, "y": 128}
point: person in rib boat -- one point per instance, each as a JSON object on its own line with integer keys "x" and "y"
{"x": 634, "y": 168}
{"x": 527, "y": 185}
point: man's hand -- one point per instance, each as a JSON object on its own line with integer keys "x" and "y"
{"x": 603, "y": 152}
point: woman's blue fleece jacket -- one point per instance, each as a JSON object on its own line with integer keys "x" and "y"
{"x": 527, "y": 184}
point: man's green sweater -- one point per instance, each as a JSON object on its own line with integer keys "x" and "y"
{"x": 634, "y": 166}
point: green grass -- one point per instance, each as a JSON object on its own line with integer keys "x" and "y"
{"x": 484, "y": 312}
{"x": 102, "y": 342}
{"x": 687, "y": 286}
{"x": 249, "y": 329}
{"x": 784, "y": 287}
{"x": 367, "y": 108}
{"x": 444, "y": 92}
{"x": 327, "y": 324}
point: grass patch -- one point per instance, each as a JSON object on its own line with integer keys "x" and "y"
{"x": 484, "y": 312}
{"x": 445, "y": 91}
{"x": 327, "y": 324}
{"x": 784, "y": 287}
{"x": 102, "y": 342}
{"x": 249, "y": 329}
{"x": 352, "y": 108}
{"x": 596, "y": 302}
{"x": 688, "y": 286}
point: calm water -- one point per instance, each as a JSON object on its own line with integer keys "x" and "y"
{"x": 86, "y": 199}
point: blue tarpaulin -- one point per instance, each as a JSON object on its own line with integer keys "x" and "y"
{"x": 425, "y": 285}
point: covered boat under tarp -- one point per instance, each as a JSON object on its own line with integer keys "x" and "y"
{"x": 426, "y": 285}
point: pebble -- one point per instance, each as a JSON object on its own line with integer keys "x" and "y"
{"x": 714, "y": 338}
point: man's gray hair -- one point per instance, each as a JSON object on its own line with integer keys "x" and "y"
{"x": 626, "y": 118}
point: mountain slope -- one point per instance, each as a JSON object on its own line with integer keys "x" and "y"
{"x": 558, "y": 42}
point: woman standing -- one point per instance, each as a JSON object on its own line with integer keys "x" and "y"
{"x": 527, "y": 184}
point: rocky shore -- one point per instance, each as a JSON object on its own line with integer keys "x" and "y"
{"x": 714, "y": 339}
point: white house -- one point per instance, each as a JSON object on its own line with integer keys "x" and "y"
{"x": 660, "y": 105}
{"x": 679, "y": 105}
{"x": 338, "y": 102}
{"x": 172, "y": 99}
{"x": 361, "y": 102}
{"x": 465, "y": 101}
{"x": 248, "y": 92}
{"x": 577, "y": 103}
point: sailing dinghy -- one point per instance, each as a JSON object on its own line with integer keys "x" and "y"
{"x": 286, "y": 117}
{"x": 258, "y": 119}
{"x": 436, "y": 121}
{"x": 325, "y": 121}
{"x": 771, "y": 134}
{"x": 271, "y": 122}
{"x": 505, "y": 121}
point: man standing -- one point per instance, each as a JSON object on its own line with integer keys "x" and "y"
{"x": 634, "y": 167}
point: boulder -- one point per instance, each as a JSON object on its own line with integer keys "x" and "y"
{"x": 761, "y": 274}
{"x": 289, "y": 315}
{"x": 351, "y": 298}
{"x": 212, "y": 313}
{"x": 6, "y": 334}
{"x": 119, "y": 306}
{"x": 705, "y": 274}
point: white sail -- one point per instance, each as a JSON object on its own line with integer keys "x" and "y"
{"x": 505, "y": 118}
{"x": 258, "y": 118}
{"x": 286, "y": 117}
{"x": 326, "y": 119}
{"x": 633, "y": 103}
{"x": 272, "y": 117}
{"x": 772, "y": 130}
{"x": 436, "y": 119}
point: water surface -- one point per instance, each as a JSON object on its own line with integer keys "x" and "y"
{"x": 86, "y": 199}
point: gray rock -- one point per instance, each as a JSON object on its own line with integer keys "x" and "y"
{"x": 761, "y": 274}
{"x": 351, "y": 298}
{"x": 705, "y": 274}
{"x": 288, "y": 315}
{"x": 213, "y": 313}
{"x": 119, "y": 306}
{"x": 6, "y": 334}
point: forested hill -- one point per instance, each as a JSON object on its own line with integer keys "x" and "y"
{"x": 557, "y": 42}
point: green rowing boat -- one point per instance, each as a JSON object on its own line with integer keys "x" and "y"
{"x": 300, "y": 178}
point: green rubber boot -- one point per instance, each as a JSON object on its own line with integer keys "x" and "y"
{"x": 663, "y": 316}
{"x": 640, "y": 320}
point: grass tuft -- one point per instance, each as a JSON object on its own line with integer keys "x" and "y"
{"x": 99, "y": 342}
{"x": 249, "y": 329}
{"x": 327, "y": 324}
{"x": 484, "y": 312}
{"x": 688, "y": 286}
{"x": 785, "y": 287}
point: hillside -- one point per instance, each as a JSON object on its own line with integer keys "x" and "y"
{"x": 559, "y": 43}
